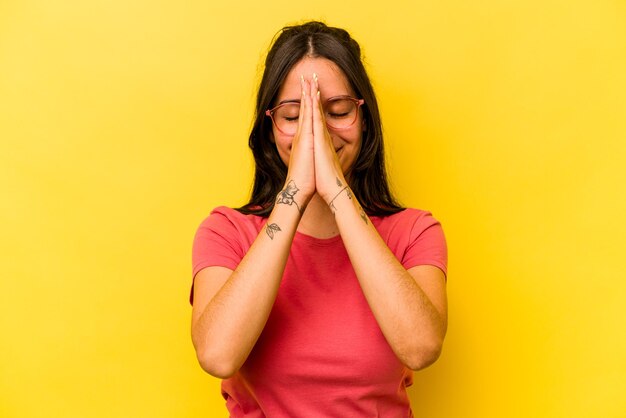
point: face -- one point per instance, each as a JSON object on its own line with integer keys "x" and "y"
{"x": 332, "y": 83}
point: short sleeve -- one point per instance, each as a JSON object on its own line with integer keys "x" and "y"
{"x": 216, "y": 243}
{"x": 427, "y": 244}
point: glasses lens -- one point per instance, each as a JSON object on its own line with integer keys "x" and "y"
{"x": 286, "y": 118}
{"x": 341, "y": 113}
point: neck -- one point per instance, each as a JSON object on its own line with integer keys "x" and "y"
{"x": 318, "y": 221}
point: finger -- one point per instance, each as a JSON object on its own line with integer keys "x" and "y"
{"x": 306, "y": 115}
{"x": 319, "y": 99}
{"x": 318, "y": 111}
{"x": 319, "y": 116}
{"x": 302, "y": 99}
{"x": 301, "y": 110}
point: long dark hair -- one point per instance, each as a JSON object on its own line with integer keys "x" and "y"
{"x": 368, "y": 179}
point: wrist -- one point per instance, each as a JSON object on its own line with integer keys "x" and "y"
{"x": 345, "y": 206}
{"x": 333, "y": 188}
{"x": 292, "y": 195}
{"x": 342, "y": 194}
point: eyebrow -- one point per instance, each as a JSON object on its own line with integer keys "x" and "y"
{"x": 289, "y": 101}
{"x": 342, "y": 96}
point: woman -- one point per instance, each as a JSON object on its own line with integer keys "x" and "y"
{"x": 321, "y": 295}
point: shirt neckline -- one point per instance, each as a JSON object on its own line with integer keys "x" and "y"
{"x": 317, "y": 241}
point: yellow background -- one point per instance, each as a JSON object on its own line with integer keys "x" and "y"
{"x": 123, "y": 123}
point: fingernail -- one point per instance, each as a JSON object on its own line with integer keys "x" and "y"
{"x": 315, "y": 77}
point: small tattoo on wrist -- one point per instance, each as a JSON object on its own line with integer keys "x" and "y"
{"x": 270, "y": 229}
{"x": 339, "y": 183}
{"x": 332, "y": 204}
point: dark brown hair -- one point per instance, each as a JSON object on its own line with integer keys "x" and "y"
{"x": 368, "y": 179}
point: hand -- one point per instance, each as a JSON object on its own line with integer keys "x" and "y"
{"x": 329, "y": 178}
{"x": 300, "y": 185}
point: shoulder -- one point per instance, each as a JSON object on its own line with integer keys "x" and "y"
{"x": 223, "y": 238}
{"x": 415, "y": 236}
{"x": 227, "y": 226}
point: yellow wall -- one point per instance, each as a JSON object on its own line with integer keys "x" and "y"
{"x": 123, "y": 123}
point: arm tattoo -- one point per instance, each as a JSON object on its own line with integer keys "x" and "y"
{"x": 270, "y": 229}
{"x": 286, "y": 195}
{"x": 332, "y": 204}
{"x": 339, "y": 183}
{"x": 363, "y": 215}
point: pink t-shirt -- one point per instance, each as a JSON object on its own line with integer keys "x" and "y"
{"x": 321, "y": 353}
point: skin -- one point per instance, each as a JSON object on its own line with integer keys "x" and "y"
{"x": 231, "y": 307}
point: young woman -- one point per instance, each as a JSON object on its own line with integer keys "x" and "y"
{"x": 320, "y": 296}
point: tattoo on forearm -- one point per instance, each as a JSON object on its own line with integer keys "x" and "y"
{"x": 271, "y": 229}
{"x": 332, "y": 202}
{"x": 349, "y": 194}
{"x": 339, "y": 183}
{"x": 286, "y": 195}
{"x": 363, "y": 215}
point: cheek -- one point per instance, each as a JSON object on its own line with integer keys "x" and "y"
{"x": 283, "y": 146}
{"x": 355, "y": 138}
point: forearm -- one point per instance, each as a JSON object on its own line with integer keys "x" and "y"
{"x": 412, "y": 325}
{"x": 232, "y": 321}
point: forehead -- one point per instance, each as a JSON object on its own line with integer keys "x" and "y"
{"x": 332, "y": 81}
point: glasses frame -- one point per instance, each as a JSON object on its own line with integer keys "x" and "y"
{"x": 358, "y": 102}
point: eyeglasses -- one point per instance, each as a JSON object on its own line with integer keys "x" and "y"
{"x": 340, "y": 112}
